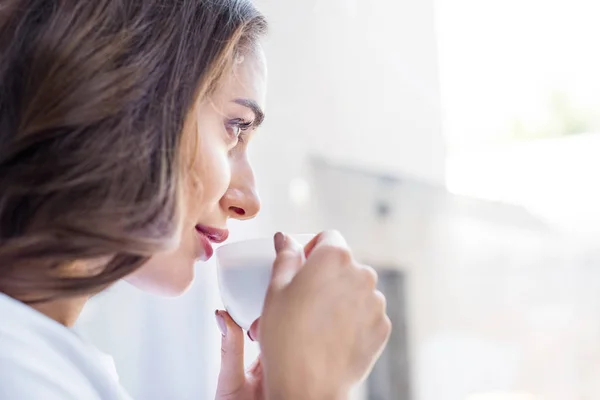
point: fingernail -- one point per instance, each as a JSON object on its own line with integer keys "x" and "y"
{"x": 279, "y": 241}
{"x": 221, "y": 323}
{"x": 250, "y": 336}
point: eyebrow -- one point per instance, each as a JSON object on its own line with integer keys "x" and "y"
{"x": 259, "y": 115}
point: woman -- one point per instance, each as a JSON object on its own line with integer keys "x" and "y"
{"x": 124, "y": 126}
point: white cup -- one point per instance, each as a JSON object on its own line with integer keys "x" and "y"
{"x": 244, "y": 270}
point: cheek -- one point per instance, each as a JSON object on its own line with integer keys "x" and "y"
{"x": 211, "y": 173}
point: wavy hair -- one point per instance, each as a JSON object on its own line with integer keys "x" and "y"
{"x": 94, "y": 96}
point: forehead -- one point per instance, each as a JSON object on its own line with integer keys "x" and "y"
{"x": 247, "y": 80}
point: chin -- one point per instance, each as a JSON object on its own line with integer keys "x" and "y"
{"x": 171, "y": 290}
{"x": 168, "y": 279}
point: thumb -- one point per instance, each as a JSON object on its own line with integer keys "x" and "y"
{"x": 289, "y": 260}
{"x": 232, "y": 376}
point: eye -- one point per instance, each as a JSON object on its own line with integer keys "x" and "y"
{"x": 237, "y": 127}
{"x": 236, "y": 130}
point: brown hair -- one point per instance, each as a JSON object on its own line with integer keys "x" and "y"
{"x": 93, "y": 100}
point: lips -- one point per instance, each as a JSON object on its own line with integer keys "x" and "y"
{"x": 208, "y": 235}
{"x": 215, "y": 235}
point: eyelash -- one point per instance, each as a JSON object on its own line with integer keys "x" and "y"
{"x": 242, "y": 125}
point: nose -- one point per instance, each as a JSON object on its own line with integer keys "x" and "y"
{"x": 241, "y": 201}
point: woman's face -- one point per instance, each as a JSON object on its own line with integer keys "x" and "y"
{"x": 220, "y": 181}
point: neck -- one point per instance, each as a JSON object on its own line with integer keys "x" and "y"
{"x": 63, "y": 311}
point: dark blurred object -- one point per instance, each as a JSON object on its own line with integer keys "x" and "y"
{"x": 390, "y": 379}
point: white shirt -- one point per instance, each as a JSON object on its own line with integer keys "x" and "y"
{"x": 41, "y": 359}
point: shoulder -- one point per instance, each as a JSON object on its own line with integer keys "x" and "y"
{"x": 41, "y": 359}
{"x": 19, "y": 380}
{"x": 30, "y": 372}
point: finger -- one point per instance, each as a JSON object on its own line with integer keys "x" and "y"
{"x": 380, "y": 301}
{"x": 368, "y": 276}
{"x": 381, "y": 323}
{"x": 289, "y": 260}
{"x": 383, "y": 332}
{"x": 254, "y": 332}
{"x": 255, "y": 370}
{"x": 330, "y": 252}
{"x": 311, "y": 245}
{"x": 326, "y": 239}
{"x": 232, "y": 376}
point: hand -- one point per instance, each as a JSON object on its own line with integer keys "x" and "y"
{"x": 234, "y": 382}
{"x": 323, "y": 324}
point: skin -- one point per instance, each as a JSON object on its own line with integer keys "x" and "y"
{"x": 335, "y": 326}
{"x": 220, "y": 183}
{"x": 335, "y": 321}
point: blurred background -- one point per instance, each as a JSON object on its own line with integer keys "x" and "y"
{"x": 454, "y": 143}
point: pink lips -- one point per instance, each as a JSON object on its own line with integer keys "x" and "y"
{"x": 209, "y": 235}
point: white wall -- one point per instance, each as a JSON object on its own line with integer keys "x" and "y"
{"x": 357, "y": 81}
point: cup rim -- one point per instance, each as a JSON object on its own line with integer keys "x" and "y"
{"x": 245, "y": 242}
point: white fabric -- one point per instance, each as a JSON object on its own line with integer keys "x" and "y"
{"x": 41, "y": 359}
